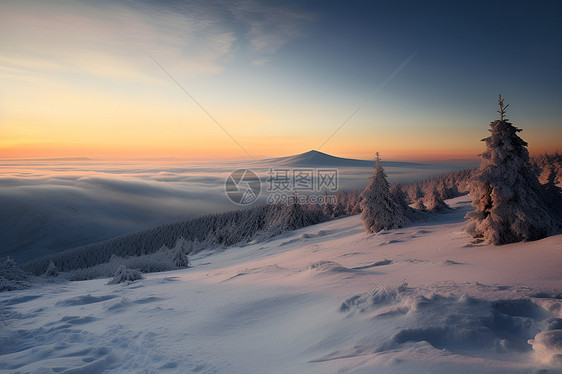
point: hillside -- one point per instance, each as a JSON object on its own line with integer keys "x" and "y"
{"x": 322, "y": 299}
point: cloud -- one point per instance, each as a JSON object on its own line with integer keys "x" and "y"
{"x": 261, "y": 61}
{"x": 54, "y": 205}
{"x": 109, "y": 39}
{"x": 270, "y": 27}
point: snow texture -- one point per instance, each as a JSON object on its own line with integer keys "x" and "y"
{"x": 322, "y": 299}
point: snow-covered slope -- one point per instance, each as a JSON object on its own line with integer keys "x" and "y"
{"x": 324, "y": 299}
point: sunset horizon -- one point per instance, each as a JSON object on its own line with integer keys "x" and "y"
{"x": 277, "y": 187}
{"x": 107, "y": 81}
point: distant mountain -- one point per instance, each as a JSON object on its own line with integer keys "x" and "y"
{"x": 466, "y": 162}
{"x": 49, "y": 159}
{"x": 321, "y": 159}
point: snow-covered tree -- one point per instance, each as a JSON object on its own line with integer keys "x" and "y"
{"x": 507, "y": 196}
{"x": 124, "y": 274}
{"x": 52, "y": 270}
{"x": 11, "y": 276}
{"x": 419, "y": 205}
{"x": 379, "y": 210}
{"x": 434, "y": 202}
{"x": 399, "y": 196}
{"x": 553, "y": 194}
{"x": 327, "y": 207}
{"x": 180, "y": 258}
{"x": 339, "y": 208}
{"x": 546, "y": 165}
{"x": 414, "y": 192}
{"x": 294, "y": 216}
{"x": 354, "y": 204}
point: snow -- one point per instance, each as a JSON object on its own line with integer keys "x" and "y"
{"x": 324, "y": 299}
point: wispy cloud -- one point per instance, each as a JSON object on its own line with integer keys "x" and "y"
{"x": 269, "y": 28}
{"x": 108, "y": 39}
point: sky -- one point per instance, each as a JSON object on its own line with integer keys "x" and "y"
{"x": 412, "y": 80}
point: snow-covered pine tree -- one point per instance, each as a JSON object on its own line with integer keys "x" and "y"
{"x": 354, "y": 206}
{"x": 553, "y": 194}
{"x": 52, "y": 270}
{"x": 339, "y": 207}
{"x": 441, "y": 189}
{"x": 399, "y": 195}
{"x": 419, "y": 205}
{"x": 11, "y": 271}
{"x": 506, "y": 194}
{"x": 379, "y": 210}
{"x": 11, "y": 276}
{"x": 415, "y": 192}
{"x": 294, "y": 216}
{"x": 434, "y": 202}
{"x": 124, "y": 274}
{"x": 327, "y": 208}
{"x": 180, "y": 258}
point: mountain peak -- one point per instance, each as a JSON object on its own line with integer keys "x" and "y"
{"x": 314, "y": 152}
{"x": 314, "y": 158}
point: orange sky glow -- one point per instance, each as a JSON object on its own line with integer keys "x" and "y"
{"x": 77, "y": 81}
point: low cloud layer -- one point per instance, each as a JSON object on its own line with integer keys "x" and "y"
{"x": 52, "y": 205}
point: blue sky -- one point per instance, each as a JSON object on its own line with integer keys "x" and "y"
{"x": 279, "y": 76}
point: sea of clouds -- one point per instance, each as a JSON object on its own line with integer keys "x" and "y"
{"x": 56, "y": 204}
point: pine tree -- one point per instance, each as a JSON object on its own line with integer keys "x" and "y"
{"x": 52, "y": 270}
{"x": 553, "y": 194}
{"x": 419, "y": 205}
{"x": 180, "y": 258}
{"x": 11, "y": 276}
{"x": 399, "y": 196}
{"x": 355, "y": 203}
{"x": 338, "y": 208}
{"x": 327, "y": 208}
{"x": 508, "y": 201}
{"x": 434, "y": 202}
{"x": 294, "y": 216}
{"x": 418, "y": 194}
{"x": 379, "y": 208}
{"x": 124, "y": 274}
